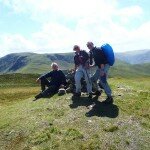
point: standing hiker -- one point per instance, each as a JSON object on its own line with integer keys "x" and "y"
{"x": 102, "y": 71}
{"x": 81, "y": 60}
{"x": 57, "y": 80}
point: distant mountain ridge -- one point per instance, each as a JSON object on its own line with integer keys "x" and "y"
{"x": 135, "y": 57}
{"x": 40, "y": 63}
{"x": 32, "y": 62}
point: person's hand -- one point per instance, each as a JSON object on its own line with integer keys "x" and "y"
{"x": 91, "y": 66}
{"x": 61, "y": 86}
{"x": 87, "y": 66}
{"x": 102, "y": 73}
{"x": 38, "y": 80}
{"x": 73, "y": 70}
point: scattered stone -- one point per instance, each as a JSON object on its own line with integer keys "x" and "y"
{"x": 12, "y": 131}
{"x": 68, "y": 98}
{"x": 89, "y": 121}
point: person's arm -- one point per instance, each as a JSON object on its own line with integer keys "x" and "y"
{"x": 92, "y": 63}
{"x": 102, "y": 72}
{"x": 91, "y": 59}
{"x": 47, "y": 75}
{"x": 63, "y": 78}
{"x": 75, "y": 63}
{"x": 38, "y": 80}
{"x": 75, "y": 67}
{"x": 85, "y": 57}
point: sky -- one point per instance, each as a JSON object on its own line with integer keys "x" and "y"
{"x": 54, "y": 26}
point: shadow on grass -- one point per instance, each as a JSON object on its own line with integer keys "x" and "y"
{"x": 41, "y": 96}
{"x": 98, "y": 108}
{"x": 80, "y": 101}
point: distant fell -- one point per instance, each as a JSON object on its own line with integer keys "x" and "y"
{"x": 136, "y": 63}
{"x": 135, "y": 57}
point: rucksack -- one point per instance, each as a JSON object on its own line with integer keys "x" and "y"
{"x": 109, "y": 53}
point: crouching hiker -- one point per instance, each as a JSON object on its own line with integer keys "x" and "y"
{"x": 81, "y": 60}
{"x": 57, "y": 80}
{"x": 102, "y": 71}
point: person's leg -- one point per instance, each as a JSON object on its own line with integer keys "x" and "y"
{"x": 52, "y": 89}
{"x": 88, "y": 80}
{"x": 78, "y": 76}
{"x": 44, "y": 83}
{"x": 49, "y": 91}
{"x": 94, "y": 79}
{"x": 104, "y": 83}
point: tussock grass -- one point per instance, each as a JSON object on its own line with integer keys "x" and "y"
{"x": 67, "y": 123}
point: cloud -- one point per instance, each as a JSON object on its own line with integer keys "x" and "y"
{"x": 68, "y": 22}
{"x": 132, "y": 11}
{"x": 70, "y": 9}
{"x": 128, "y": 13}
{"x": 15, "y": 43}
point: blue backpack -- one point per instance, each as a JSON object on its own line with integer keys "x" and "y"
{"x": 108, "y": 51}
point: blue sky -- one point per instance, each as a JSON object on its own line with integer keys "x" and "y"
{"x": 54, "y": 26}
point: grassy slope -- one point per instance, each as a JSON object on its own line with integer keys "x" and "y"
{"x": 36, "y": 63}
{"x": 65, "y": 123}
{"x": 120, "y": 68}
{"x": 126, "y": 70}
{"x": 40, "y": 63}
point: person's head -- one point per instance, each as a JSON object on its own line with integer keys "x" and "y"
{"x": 90, "y": 45}
{"x": 76, "y": 48}
{"x": 54, "y": 66}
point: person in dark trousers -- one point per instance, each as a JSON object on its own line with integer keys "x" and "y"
{"x": 57, "y": 79}
{"x": 81, "y": 60}
{"x": 102, "y": 71}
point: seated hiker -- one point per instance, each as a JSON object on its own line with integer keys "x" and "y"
{"x": 81, "y": 60}
{"x": 57, "y": 80}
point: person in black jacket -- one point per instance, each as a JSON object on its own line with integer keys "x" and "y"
{"x": 81, "y": 60}
{"x": 57, "y": 79}
{"x": 102, "y": 71}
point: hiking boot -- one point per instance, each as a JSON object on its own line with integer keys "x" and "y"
{"x": 97, "y": 93}
{"x": 77, "y": 94}
{"x": 61, "y": 91}
{"x": 109, "y": 100}
{"x": 90, "y": 95}
{"x": 38, "y": 96}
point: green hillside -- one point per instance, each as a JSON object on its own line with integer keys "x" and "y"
{"x": 34, "y": 63}
{"x": 123, "y": 69}
{"x": 40, "y": 63}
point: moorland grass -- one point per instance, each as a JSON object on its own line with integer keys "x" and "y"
{"x": 61, "y": 122}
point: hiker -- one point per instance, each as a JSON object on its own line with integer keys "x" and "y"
{"x": 102, "y": 71}
{"x": 81, "y": 60}
{"x": 57, "y": 80}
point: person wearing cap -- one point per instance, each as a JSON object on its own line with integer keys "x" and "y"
{"x": 57, "y": 80}
{"x": 102, "y": 71}
{"x": 81, "y": 61}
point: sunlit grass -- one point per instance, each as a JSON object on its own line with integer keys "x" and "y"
{"x": 51, "y": 123}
